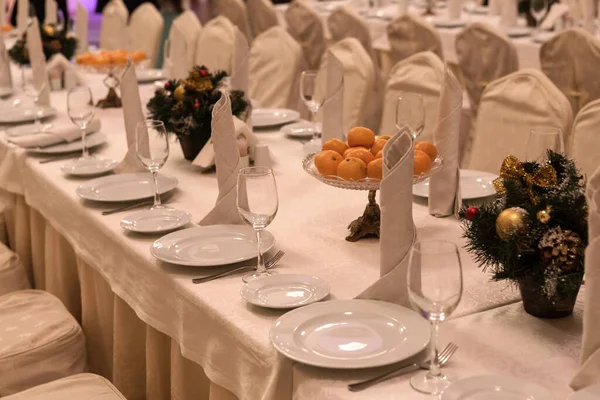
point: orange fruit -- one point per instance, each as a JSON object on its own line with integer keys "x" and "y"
{"x": 353, "y": 148}
{"x": 327, "y": 162}
{"x": 352, "y": 169}
{"x": 379, "y": 154}
{"x": 336, "y": 145}
{"x": 361, "y": 153}
{"x": 428, "y": 148}
{"x": 375, "y": 169}
{"x": 422, "y": 162}
{"x": 361, "y": 136}
{"x": 378, "y": 145}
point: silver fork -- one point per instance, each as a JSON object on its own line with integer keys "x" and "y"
{"x": 269, "y": 264}
{"x": 443, "y": 357}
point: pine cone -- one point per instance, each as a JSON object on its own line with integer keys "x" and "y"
{"x": 560, "y": 248}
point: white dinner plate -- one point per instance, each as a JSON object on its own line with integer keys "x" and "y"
{"x": 156, "y": 220}
{"x": 349, "y": 334}
{"x": 543, "y": 37}
{"x": 210, "y": 246}
{"x": 92, "y": 140}
{"x": 473, "y": 185}
{"x": 589, "y": 393}
{"x": 14, "y": 115}
{"x": 299, "y": 129}
{"x": 518, "y": 31}
{"x": 262, "y": 117}
{"x": 149, "y": 75}
{"x": 495, "y": 388}
{"x": 124, "y": 187}
{"x": 88, "y": 166}
{"x": 4, "y": 92}
{"x": 285, "y": 290}
{"x": 449, "y": 23}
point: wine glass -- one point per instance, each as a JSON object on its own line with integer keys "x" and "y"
{"x": 313, "y": 100}
{"x": 167, "y": 63}
{"x": 538, "y": 9}
{"x": 152, "y": 149}
{"x": 435, "y": 287}
{"x": 410, "y": 112}
{"x": 257, "y": 204}
{"x": 80, "y": 107}
{"x": 541, "y": 140}
{"x": 35, "y": 91}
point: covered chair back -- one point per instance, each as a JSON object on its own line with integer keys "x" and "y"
{"x": 585, "y": 139}
{"x": 145, "y": 31}
{"x": 410, "y": 34}
{"x": 237, "y": 13}
{"x": 344, "y": 22}
{"x": 190, "y": 28}
{"x": 262, "y": 16}
{"x": 113, "y": 32}
{"x": 305, "y": 25}
{"x": 215, "y": 45}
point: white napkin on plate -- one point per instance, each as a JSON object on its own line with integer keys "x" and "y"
{"x": 132, "y": 113}
{"x": 398, "y": 231}
{"x": 22, "y": 15}
{"x": 51, "y": 12}
{"x": 59, "y": 64}
{"x": 38, "y": 61}
{"x": 454, "y": 8}
{"x": 509, "y": 13}
{"x": 175, "y": 69}
{"x": 5, "y": 74}
{"x": 228, "y": 165}
{"x": 444, "y": 187}
{"x": 81, "y": 28}
{"x": 60, "y": 133}
{"x": 333, "y": 108}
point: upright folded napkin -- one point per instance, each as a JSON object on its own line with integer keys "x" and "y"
{"x": 494, "y": 7}
{"x": 175, "y": 68}
{"x": 81, "y": 28}
{"x": 557, "y": 11}
{"x": 38, "y": 61}
{"x": 228, "y": 165}
{"x": 509, "y": 13}
{"x": 59, "y": 64}
{"x": 444, "y": 187}
{"x": 22, "y": 15}
{"x": 454, "y": 8}
{"x": 60, "y": 133}
{"x": 589, "y": 373}
{"x": 398, "y": 231}
{"x": 239, "y": 70}
{"x": 5, "y": 74}
{"x": 588, "y": 10}
{"x": 51, "y": 12}
{"x": 333, "y": 108}
{"x": 132, "y": 114}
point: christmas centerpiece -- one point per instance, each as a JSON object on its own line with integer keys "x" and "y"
{"x": 185, "y": 107}
{"x": 54, "y": 41}
{"x": 535, "y": 233}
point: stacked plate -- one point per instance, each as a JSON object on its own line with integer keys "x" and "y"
{"x": 473, "y": 185}
{"x": 270, "y": 117}
{"x": 495, "y": 387}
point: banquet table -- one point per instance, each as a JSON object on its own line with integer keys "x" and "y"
{"x": 157, "y": 335}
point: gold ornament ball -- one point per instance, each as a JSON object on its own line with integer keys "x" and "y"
{"x": 49, "y": 29}
{"x": 179, "y": 93}
{"x": 510, "y": 222}
{"x": 543, "y": 216}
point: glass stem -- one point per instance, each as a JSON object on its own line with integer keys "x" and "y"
{"x": 317, "y": 133}
{"x": 85, "y": 153}
{"x": 260, "y": 263}
{"x": 23, "y": 77}
{"x": 37, "y": 124}
{"x": 157, "y": 202}
{"x": 434, "y": 369}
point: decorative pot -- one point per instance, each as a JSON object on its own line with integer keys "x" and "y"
{"x": 191, "y": 146}
{"x": 539, "y": 305}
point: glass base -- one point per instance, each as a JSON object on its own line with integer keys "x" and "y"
{"x": 161, "y": 207}
{"x": 313, "y": 146}
{"x": 429, "y": 384}
{"x": 257, "y": 275}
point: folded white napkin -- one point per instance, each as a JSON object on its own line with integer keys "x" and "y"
{"x": 59, "y": 64}
{"x": 5, "y": 74}
{"x": 454, "y": 8}
{"x": 174, "y": 67}
{"x": 557, "y": 11}
{"x": 51, "y": 12}
{"x": 132, "y": 114}
{"x": 22, "y": 15}
{"x": 81, "y": 28}
{"x": 494, "y": 7}
{"x": 398, "y": 231}
{"x": 333, "y": 108}
{"x": 59, "y": 133}
{"x": 38, "y": 61}
{"x": 239, "y": 70}
{"x": 509, "y": 13}
{"x": 444, "y": 187}
{"x": 228, "y": 165}
{"x": 589, "y": 373}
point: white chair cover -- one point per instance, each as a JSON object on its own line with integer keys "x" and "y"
{"x": 113, "y": 33}
{"x": 41, "y": 341}
{"x": 76, "y": 387}
{"x": 571, "y": 61}
{"x": 306, "y": 26}
{"x": 484, "y": 54}
{"x": 13, "y": 276}
{"x": 215, "y": 46}
{"x": 422, "y": 73}
{"x": 510, "y": 107}
{"x": 344, "y": 22}
{"x": 145, "y": 31}
{"x": 276, "y": 62}
{"x": 81, "y": 28}
{"x": 410, "y": 34}
{"x": 189, "y": 25}
{"x": 585, "y": 139}
{"x": 51, "y": 12}
{"x": 237, "y": 13}
{"x": 262, "y": 16}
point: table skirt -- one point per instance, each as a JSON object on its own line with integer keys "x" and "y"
{"x": 142, "y": 362}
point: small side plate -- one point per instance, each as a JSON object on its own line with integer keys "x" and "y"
{"x": 157, "y": 220}
{"x": 88, "y": 166}
{"x": 285, "y": 291}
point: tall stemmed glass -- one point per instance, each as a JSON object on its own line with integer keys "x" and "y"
{"x": 257, "y": 204}
{"x": 34, "y": 91}
{"x": 435, "y": 287}
{"x": 538, "y": 9}
{"x": 541, "y": 140}
{"x": 313, "y": 101}
{"x": 80, "y": 107}
{"x": 152, "y": 148}
{"x": 410, "y": 112}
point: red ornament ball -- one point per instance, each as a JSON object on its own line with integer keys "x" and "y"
{"x": 471, "y": 213}
{"x": 203, "y": 72}
{"x": 167, "y": 85}
{"x": 196, "y": 105}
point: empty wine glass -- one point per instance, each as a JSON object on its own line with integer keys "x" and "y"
{"x": 435, "y": 287}
{"x": 35, "y": 91}
{"x": 257, "y": 204}
{"x": 410, "y": 112}
{"x": 541, "y": 140}
{"x": 80, "y": 107}
{"x": 152, "y": 148}
{"x": 538, "y": 9}
{"x": 313, "y": 99}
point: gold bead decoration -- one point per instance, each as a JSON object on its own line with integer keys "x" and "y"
{"x": 179, "y": 93}
{"x": 510, "y": 222}
{"x": 49, "y": 30}
{"x": 543, "y": 216}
